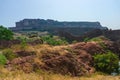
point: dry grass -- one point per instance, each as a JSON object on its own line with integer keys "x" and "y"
{"x": 40, "y": 49}
{"x": 41, "y": 75}
{"x": 19, "y": 75}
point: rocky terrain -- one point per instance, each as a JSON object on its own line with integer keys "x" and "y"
{"x": 74, "y": 59}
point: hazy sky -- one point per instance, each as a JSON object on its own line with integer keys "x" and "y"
{"x": 105, "y": 11}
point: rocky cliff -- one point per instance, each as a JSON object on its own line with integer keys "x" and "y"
{"x": 52, "y": 26}
{"x": 113, "y": 35}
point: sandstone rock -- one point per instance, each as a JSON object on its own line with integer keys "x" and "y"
{"x": 76, "y": 64}
{"x": 24, "y": 63}
{"x": 90, "y": 47}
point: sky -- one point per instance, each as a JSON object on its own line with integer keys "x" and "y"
{"x": 107, "y": 12}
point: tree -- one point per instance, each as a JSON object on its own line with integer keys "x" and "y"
{"x": 5, "y": 34}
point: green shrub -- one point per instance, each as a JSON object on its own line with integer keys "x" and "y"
{"x": 5, "y": 34}
{"x": 86, "y": 39}
{"x": 106, "y": 63}
{"x": 9, "y": 54}
{"x": 3, "y": 59}
{"x": 54, "y": 41}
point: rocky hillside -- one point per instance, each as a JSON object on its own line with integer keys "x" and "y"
{"x": 73, "y": 59}
{"x": 53, "y": 27}
{"x": 113, "y": 35}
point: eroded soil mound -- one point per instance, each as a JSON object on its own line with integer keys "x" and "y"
{"x": 21, "y": 63}
{"x": 90, "y": 47}
{"x": 78, "y": 61}
{"x": 76, "y": 64}
{"x": 24, "y": 61}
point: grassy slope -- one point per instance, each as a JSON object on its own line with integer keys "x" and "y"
{"x": 19, "y": 75}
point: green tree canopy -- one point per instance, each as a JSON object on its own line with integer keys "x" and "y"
{"x": 5, "y": 34}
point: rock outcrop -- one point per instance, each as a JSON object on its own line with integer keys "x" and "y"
{"x": 53, "y": 27}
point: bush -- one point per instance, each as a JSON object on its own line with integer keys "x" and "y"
{"x": 54, "y": 41}
{"x": 106, "y": 63}
{"x": 23, "y": 44}
{"x": 3, "y": 59}
{"x": 86, "y": 39}
{"x": 8, "y": 53}
{"x": 5, "y": 34}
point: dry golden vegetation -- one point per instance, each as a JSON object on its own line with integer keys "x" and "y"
{"x": 19, "y": 75}
{"x": 42, "y": 48}
{"x": 42, "y": 75}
